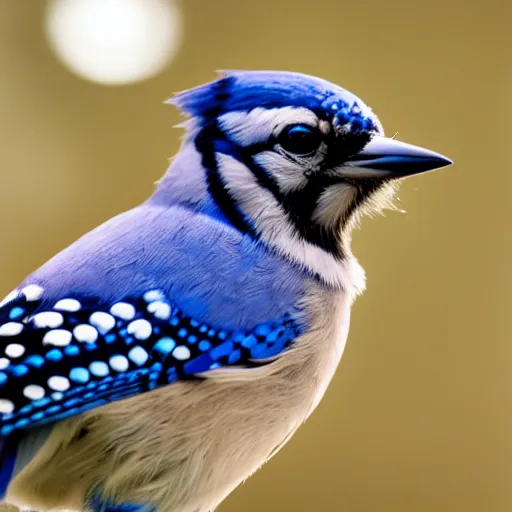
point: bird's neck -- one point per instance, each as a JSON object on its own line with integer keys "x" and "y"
{"x": 185, "y": 183}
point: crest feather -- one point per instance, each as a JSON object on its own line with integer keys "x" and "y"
{"x": 237, "y": 90}
{"x": 203, "y": 101}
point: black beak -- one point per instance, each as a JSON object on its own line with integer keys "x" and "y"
{"x": 389, "y": 158}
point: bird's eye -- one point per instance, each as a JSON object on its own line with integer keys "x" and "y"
{"x": 300, "y": 140}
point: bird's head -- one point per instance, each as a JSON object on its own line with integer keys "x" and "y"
{"x": 293, "y": 160}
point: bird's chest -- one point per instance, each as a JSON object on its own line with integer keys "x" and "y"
{"x": 286, "y": 391}
{"x": 262, "y": 408}
{"x": 327, "y": 340}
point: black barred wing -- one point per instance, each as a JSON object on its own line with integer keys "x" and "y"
{"x": 79, "y": 353}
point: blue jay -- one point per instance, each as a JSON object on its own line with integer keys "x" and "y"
{"x": 162, "y": 358}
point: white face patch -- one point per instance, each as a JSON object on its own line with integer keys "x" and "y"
{"x": 270, "y": 220}
{"x": 288, "y": 175}
{"x": 333, "y": 203}
{"x": 258, "y": 125}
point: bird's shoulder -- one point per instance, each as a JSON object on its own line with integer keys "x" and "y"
{"x": 210, "y": 269}
{"x": 98, "y": 324}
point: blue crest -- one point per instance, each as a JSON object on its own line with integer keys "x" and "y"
{"x": 246, "y": 90}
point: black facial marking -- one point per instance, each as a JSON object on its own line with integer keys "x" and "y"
{"x": 205, "y": 146}
{"x": 204, "y": 143}
{"x": 343, "y": 146}
{"x": 299, "y": 205}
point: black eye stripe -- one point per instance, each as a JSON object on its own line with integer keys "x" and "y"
{"x": 298, "y": 205}
{"x": 204, "y": 143}
{"x": 340, "y": 147}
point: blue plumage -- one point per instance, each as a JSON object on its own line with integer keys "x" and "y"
{"x": 84, "y": 352}
{"x": 197, "y": 261}
{"x": 240, "y": 258}
{"x": 8, "y": 462}
{"x": 97, "y": 504}
{"x": 246, "y": 90}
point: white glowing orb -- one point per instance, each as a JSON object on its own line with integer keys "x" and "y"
{"x": 114, "y": 41}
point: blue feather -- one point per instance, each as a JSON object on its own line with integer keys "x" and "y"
{"x": 8, "y": 449}
{"x": 98, "y": 504}
{"x": 246, "y": 90}
{"x": 167, "y": 349}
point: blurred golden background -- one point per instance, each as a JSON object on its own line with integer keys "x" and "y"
{"x": 419, "y": 415}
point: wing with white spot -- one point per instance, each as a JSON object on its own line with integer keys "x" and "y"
{"x": 81, "y": 353}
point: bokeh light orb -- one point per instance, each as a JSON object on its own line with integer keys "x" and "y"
{"x": 114, "y": 41}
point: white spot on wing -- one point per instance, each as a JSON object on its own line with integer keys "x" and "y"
{"x": 153, "y": 295}
{"x": 141, "y": 329}
{"x": 99, "y": 368}
{"x": 71, "y": 305}
{"x": 288, "y": 175}
{"x": 123, "y": 310}
{"x": 48, "y": 319}
{"x": 32, "y": 292}
{"x": 6, "y": 406}
{"x": 4, "y": 363}
{"x": 138, "y": 355}
{"x": 33, "y": 392}
{"x": 181, "y": 353}
{"x": 85, "y": 333}
{"x": 57, "y": 337}
{"x": 14, "y": 350}
{"x": 119, "y": 363}
{"x": 58, "y": 383}
{"x": 160, "y": 310}
{"x": 11, "y": 329}
{"x": 102, "y": 321}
